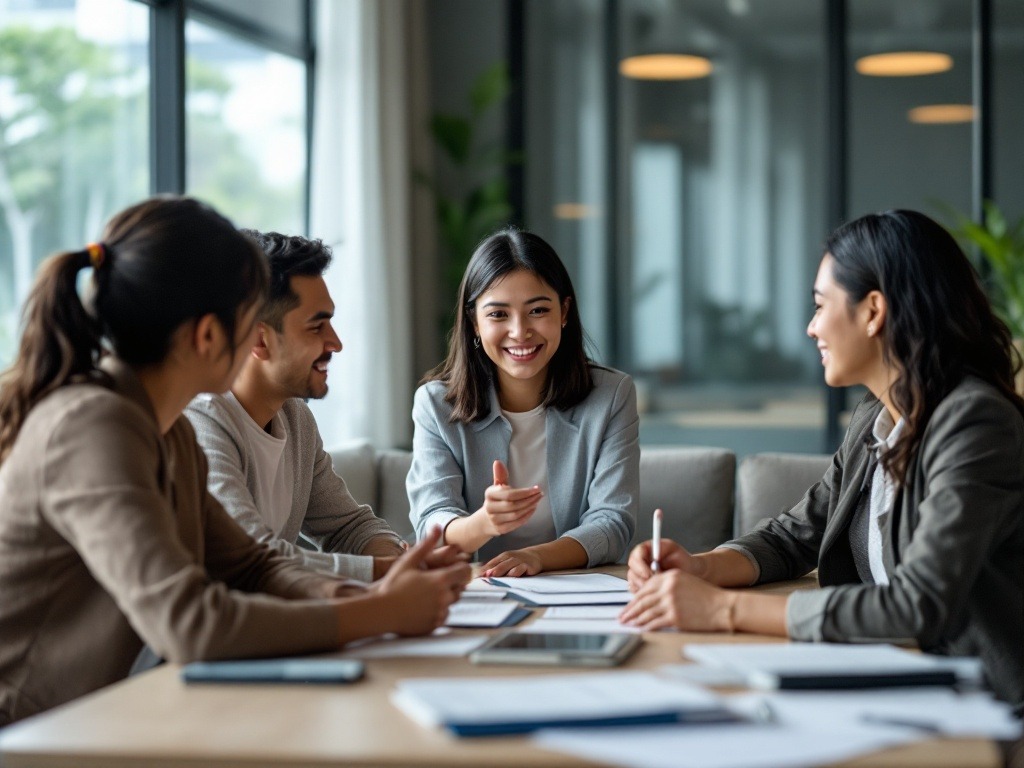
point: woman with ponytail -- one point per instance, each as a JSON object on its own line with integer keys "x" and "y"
{"x": 917, "y": 528}
{"x": 108, "y": 537}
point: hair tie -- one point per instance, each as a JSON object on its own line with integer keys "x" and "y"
{"x": 97, "y": 254}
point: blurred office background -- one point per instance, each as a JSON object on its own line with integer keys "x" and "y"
{"x": 686, "y": 158}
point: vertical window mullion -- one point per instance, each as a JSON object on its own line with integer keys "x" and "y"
{"x": 167, "y": 97}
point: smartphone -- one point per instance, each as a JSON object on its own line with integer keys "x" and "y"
{"x": 557, "y": 648}
{"x": 310, "y": 671}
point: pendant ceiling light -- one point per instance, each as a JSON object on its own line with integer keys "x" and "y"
{"x": 904, "y": 64}
{"x": 935, "y": 114}
{"x": 665, "y": 66}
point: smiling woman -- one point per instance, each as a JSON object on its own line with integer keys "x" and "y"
{"x": 524, "y": 450}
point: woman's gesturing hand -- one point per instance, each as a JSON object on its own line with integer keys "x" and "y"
{"x": 505, "y": 508}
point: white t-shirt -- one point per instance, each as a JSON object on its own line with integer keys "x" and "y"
{"x": 527, "y": 467}
{"x": 273, "y": 493}
{"x": 883, "y": 492}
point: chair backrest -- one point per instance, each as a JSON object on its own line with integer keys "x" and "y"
{"x": 356, "y": 464}
{"x": 694, "y": 488}
{"x": 770, "y": 483}
{"x": 392, "y": 500}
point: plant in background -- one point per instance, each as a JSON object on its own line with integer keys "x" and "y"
{"x": 470, "y": 189}
{"x": 999, "y": 247}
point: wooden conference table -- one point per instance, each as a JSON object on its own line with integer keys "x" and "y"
{"x": 156, "y": 721}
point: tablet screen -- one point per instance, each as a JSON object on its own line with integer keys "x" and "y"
{"x": 553, "y": 642}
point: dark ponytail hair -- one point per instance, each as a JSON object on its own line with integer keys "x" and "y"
{"x": 468, "y": 371}
{"x": 161, "y": 263}
{"x": 940, "y": 326}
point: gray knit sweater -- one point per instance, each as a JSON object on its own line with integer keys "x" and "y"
{"x": 323, "y": 510}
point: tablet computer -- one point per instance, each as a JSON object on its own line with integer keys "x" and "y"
{"x": 557, "y": 648}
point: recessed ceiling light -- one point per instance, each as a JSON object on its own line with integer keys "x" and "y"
{"x": 904, "y": 64}
{"x": 665, "y": 66}
{"x": 933, "y": 114}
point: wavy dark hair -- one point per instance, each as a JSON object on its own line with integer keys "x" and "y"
{"x": 940, "y": 326}
{"x": 166, "y": 260}
{"x": 467, "y": 371}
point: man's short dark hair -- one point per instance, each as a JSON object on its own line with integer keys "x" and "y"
{"x": 288, "y": 256}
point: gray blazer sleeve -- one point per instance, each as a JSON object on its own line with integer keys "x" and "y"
{"x": 435, "y": 483}
{"x": 966, "y": 489}
{"x": 607, "y": 524}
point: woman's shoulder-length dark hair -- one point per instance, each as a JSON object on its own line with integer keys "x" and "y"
{"x": 467, "y": 372}
{"x": 939, "y": 327}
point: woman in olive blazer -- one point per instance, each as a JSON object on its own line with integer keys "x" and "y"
{"x": 917, "y": 527}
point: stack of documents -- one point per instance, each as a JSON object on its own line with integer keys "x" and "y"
{"x": 799, "y": 666}
{"x": 487, "y": 614}
{"x": 567, "y": 589}
{"x": 581, "y": 619}
{"x": 504, "y": 705}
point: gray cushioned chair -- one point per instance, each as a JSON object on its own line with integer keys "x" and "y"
{"x": 770, "y": 483}
{"x": 694, "y": 488}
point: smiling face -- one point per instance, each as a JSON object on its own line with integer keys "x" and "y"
{"x": 848, "y": 336}
{"x": 298, "y": 354}
{"x": 519, "y": 320}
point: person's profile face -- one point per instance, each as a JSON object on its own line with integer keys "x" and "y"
{"x": 519, "y": 320}
{"x": 300, "y": 353}
{"x": 840, "y": 331}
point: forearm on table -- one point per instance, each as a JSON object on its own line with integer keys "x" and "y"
{"x": 757, "y": 613}
{"x": 561, "y": 553}
{"x": 726, "y": 568}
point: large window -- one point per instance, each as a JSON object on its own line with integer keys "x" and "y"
{"x": 74, "y": 87}
{"x": 246, "y": 130}
{"x": 76, "y": 141}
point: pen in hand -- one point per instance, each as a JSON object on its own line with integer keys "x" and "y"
{"x": 656, "y": 542}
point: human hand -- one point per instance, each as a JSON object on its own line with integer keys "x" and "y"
{"x": 679, "y": 600}
{"x": 417, "y": 595}
{"x": 673, "y": 557}
{"x": 436, "y": 558}
{"x": 504, "y": 508}
{"x": 517, "y": 562}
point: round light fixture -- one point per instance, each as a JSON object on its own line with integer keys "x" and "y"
{"x": 904, "y": 64}
{"x": 936, "y": 114}
{"x": 665, "y": 66}
{"x": 574, "y": 211}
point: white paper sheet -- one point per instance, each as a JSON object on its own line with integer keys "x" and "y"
{"x": 572, "y": 598}
{"x": 563, "y": 583}
{"x": 582, "y": 626}
{"x": 438, "y": 644}
{"x": 479, "y": 589}
{"x": 720, "y": 746}
{"x": 583, "y": 612}
{"x": 480, "y": 613}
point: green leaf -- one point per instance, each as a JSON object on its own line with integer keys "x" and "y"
{"x": 490, "y": 87}
{"x": 454, "y": 134}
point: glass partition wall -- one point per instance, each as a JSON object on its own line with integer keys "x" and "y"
{"x": 682, "y": 156}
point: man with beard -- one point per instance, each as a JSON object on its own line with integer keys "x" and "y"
{"x": 268, "y": 467}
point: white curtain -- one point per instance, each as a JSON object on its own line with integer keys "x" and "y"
{"x": 360, "y": 203}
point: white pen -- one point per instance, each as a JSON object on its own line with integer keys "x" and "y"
{"x": 656, "y": 542}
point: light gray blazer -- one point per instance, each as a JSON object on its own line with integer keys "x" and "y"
{"x": 593, "y": 464}
{"x": 953, "y": 546}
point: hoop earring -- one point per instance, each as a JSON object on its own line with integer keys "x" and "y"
{"x": 476, "y": 342}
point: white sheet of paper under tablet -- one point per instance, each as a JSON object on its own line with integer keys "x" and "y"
{"x": 441, "y": 643}
{"x": 580, "y": 626}
{"x": 573, "y": 598}
{"x": 480, "y": 613}
{"x": 583, "y": 612}
{"x": 563, "y": 583}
